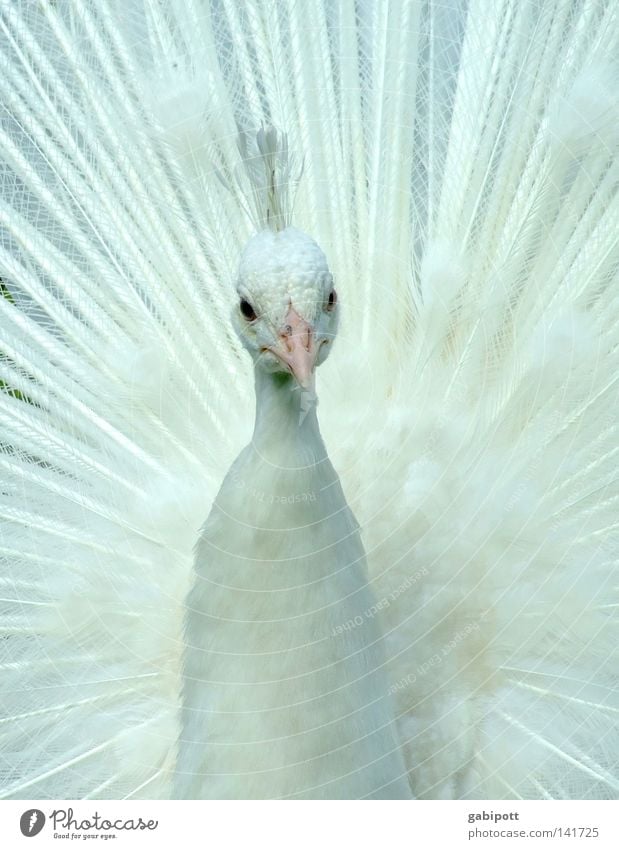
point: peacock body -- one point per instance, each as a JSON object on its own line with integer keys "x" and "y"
{"x": 436, "y": 618}
{"x": 296, "y": 705}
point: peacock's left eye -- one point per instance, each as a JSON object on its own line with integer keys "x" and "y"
{"x": 247, "y": 311}
{"x": 332, "y": 300}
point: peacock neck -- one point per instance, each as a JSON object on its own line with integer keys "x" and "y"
{"x": 286, "y": 427}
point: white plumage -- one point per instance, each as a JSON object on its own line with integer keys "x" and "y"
{"x": 457, "y": 164}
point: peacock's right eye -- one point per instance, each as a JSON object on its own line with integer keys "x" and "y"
{"x": 247, "y": 311}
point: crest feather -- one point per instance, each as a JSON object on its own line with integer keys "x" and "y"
{"x": 267, "y": 177}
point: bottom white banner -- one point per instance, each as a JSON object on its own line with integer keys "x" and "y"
{"x": 594, "y": 824}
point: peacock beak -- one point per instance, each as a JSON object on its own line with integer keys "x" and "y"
{"x": 296, "y": 347}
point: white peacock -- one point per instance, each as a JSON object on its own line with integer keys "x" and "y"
{"x": 457, "y": 164}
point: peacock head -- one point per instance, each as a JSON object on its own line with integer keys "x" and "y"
{"x": 287, "y": 313}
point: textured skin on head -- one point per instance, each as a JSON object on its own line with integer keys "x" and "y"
{"x": 277, "y": 269}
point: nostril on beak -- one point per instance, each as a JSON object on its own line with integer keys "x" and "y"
{"x": 296, "y": 333}
{"x": 305, "y": 337}
{"x": 286, "y": 337}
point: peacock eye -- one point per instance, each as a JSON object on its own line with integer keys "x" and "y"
{"x": 332, "y": 300}
{"x": 247, "y": 311}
